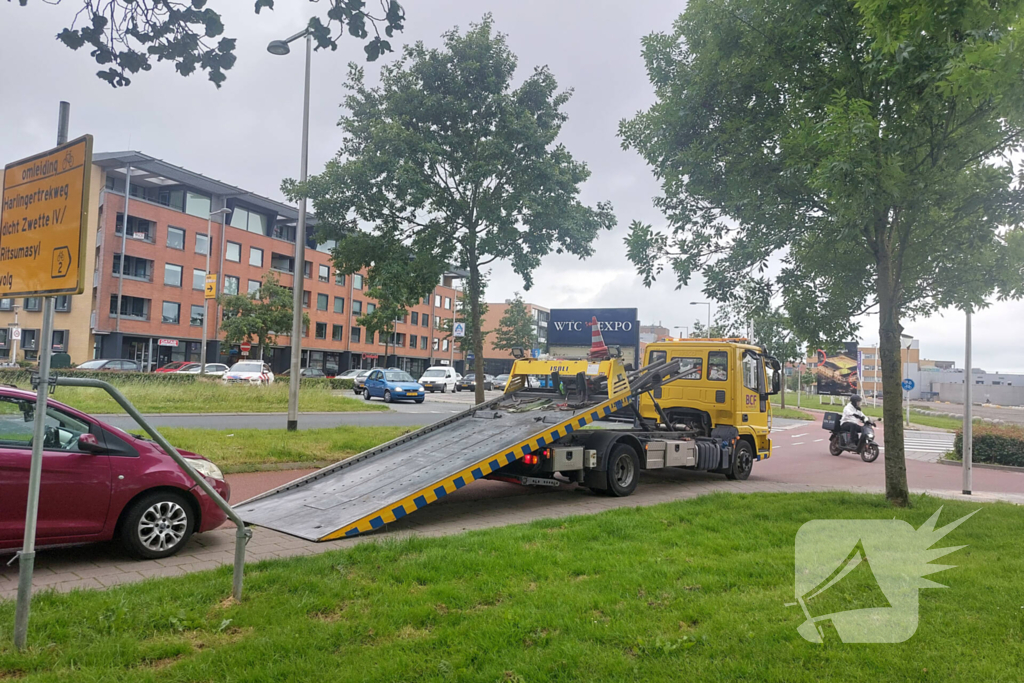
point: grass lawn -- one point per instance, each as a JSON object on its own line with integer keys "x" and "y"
{"x": 247, "y": 450}
{"x": 917, "y": 415}
{"x": 692, "y": 590}
{"x": 211, "y": 397}
{"x": 791, "y": 413}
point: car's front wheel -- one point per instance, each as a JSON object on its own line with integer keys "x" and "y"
{"x": 366, "y": 394}
{"x": 157, "y": 525}
{"x": 387, "y": 396}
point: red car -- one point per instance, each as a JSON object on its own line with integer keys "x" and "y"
{"x": 99, "y": 483}
{"x": 173, "y": 366}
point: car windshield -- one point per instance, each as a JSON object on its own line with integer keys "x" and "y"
{"x": 364, "y": 373}
{"x": 247, "y": 367}
{"x": 434, "y": 373}
{"x": 502, "y": 377}
{"x": 91, "y": 364}
{"x": 470, "y": 376}
{"x": 398, "y": 376}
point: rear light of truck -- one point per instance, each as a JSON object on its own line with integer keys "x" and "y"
{"x": 530, "y": 459}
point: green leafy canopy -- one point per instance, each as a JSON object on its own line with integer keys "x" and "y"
{"x": 515, "y": 329}
{"x": 259, "y": 316}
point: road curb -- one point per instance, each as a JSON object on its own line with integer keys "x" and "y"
{"x": 982, "y": 465}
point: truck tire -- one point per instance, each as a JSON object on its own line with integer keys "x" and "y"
{"x": 742, "y": 462}
{"x": 157, "y": 525}
{"x": 623, "y": 471}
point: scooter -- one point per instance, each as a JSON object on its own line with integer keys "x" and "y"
{"x": 845, "y": 442}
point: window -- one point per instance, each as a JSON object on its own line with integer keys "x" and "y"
{"x": 425, "y": 320}
{"x": 138, "y": 228}
{"x": 255, "y": 257}
{"x": 176, "y": 238}
{"x": 369, "y": 337}
{"x": 30, "y": 340}
{"x": 339, "y": 305}
{"x": 254, "y": 286}
{"x": 412, "y": 341}
{"x": 437, "y": 322}
{"x": 196, "y": 316}
{"x": 134, "y": 267}
{"x": 282, "y": 262}
{"x": 753, "y": 376}
{"x": 423, "y": 343}
{"x": 321, "y": 302}
{"x": 370, "y": 308}
{"x": 34, "y": 303}
{"x": 718, "y": 366}
{"x": 59, "y": 341}
{"x": 283, "y": 230}
{"x": 307, "y": 270}
{"x": 233, "y": 252}
{"x": 339, "y": 278}
{"x": 230, "y": 284}
{"x": 305, "y": 298}
{"x": 437, "y": 300}
{"x": 199, "y": 279}
{"x": 357, "y": 281}
{"x": 321, "y": 330}
{"x": 336, "y": 332}
{"x": 248, "y": 220}
{"x": 197, "y": 204}
{"x": 444, "y": 345}
{"x": 355, "y": 334}
{"x": 172, "y": 275}
{"x": 448, "y": 303}
{"x": 171, "y": 313}
{"x": 62, "y": 304}
{"x": 6, "y": 304}
{"x": 414, "y": 318}
{"x": 16, "y": 432}
{"x": 202, "y": 243}
{"x": 131, "y": 307}
{"x": 325, "y": 273}
{"x": 691, "y": 368}
{"x": 357, "y": 307}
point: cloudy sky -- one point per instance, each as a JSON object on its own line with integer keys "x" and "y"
{"x": 247, "y": 132}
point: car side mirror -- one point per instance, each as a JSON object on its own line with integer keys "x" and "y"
{"x": 90, "y": 444}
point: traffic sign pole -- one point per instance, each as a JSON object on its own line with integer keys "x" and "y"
{"x": 27, "y": 556}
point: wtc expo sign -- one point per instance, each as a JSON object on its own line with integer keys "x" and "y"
{"x": 569, "y": 326}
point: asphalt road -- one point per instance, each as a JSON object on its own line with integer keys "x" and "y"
{"x": 1005, "y": 414}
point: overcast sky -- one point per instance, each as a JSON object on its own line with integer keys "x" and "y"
{"x": 247, "y": 132}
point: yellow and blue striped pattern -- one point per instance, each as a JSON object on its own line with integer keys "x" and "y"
{"x": 479, "y": 470}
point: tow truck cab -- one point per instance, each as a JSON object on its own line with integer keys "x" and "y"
{"x": 724, "y": 382}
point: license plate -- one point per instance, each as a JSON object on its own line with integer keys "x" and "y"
{"x": 412, "y": 393}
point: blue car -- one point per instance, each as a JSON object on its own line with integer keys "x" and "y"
{"x": 392, "y": 385}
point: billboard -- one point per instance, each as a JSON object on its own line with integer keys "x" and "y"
{"x": 838, "y": 374}
{"x": 570, "y": 326}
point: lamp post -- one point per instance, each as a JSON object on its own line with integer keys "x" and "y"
{"x": 708, "y": 304}
{"x": 280, "y": 48}
{"x": 910, "y": 343}
{"x": 206, "y": 301}
{"x": 682, "y": 327}
{"x": 968, "y": 433}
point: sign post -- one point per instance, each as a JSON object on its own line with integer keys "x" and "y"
{"x": 43, "y": 217}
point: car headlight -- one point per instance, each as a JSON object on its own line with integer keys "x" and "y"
{"x": 206, "y": 468}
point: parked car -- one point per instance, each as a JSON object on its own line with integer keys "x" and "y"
{"x": 348, "y": 374}
{"x": 173, "y": 366}
{"x": 212, "y": 369}
{"x": 441, "y": 378}
{"x": 305, "y": 372}
{"x": 468, "y": 382}
{"x": 392, "y": 385}
{"x": 249, "y": 372}
{"x": 500, "y": 382}
{"x": 99, "y": 483}
{"x": 359, "y": 380}
{"x": 121, "y": 364}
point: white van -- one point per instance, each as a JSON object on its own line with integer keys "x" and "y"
{"x": 441, "y": 378}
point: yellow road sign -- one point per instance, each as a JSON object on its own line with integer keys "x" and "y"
{"x": 211, "y": 286}
{"x": 43, "y": 221}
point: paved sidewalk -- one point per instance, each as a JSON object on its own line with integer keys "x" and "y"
{"x": 483, "y": 505}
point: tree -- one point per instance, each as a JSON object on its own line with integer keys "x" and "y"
{"x": 863, "y": 144}
{"x": 446, "y": 157}
{"x": 128, "y": 34}
{"x": 466, "y": 343}
{"x": 257, "y": 317}
{"x": 515, "y": 329}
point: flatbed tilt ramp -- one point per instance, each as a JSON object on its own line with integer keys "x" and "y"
{"x": 386, "y": 483}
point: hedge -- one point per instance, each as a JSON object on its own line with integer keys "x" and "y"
{"x": 22, "y": 377}
{"x": 994, "y": 444}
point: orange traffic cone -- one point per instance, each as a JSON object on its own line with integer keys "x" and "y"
{"x": 598, "y": 349}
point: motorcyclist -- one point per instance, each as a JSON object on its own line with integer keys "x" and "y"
{"x": 853, "y": 421}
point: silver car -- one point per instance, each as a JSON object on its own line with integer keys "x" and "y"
{"x": 359, "y": 380}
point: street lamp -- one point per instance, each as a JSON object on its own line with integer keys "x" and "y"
{"x": 280, "y": 48}
{"x": 206, "y": 300}
{"x": 682, "y": 327}
{"x": 708, "y": 304}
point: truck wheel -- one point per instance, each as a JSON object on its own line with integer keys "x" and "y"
{"x": 157, "y": 525}
{"x": 623, "y": 471}
{"x": 742, "y": 462}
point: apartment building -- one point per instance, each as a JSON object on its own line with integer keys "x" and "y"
{"x": 154, "y": 312}
{"x": 497, "y": 361}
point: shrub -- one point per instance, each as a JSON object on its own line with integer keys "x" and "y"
{"x": 326, "y": 382}
{"x": 994, "y": 444}
{"x": 24, "y": 377}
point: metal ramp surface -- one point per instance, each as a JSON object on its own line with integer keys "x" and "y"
{"x": 377, "y": 487}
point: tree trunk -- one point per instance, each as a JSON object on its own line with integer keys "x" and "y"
{"x": 890, "y": 329}
{"x": 474, "y": 318}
